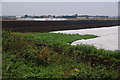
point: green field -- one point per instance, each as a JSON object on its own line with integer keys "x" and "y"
{"x": 63, "y": 41}
{"x": 50, "y": 55}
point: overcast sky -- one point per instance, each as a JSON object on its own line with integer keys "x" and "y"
{"x": 59, "y": 0}
{"x": 60, "y": 8}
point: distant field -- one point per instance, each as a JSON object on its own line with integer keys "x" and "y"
{"x": 47, "y": 26}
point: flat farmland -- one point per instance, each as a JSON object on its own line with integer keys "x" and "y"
{"x": 47, "y": 26}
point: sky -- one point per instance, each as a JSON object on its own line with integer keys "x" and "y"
{"x": 59, "y": 8}
{"x": 59, "y": 0}
{"x": 118, "y": 8}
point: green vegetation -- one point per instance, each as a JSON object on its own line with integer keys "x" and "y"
{"x": 64, "y": 40}
{"x": 53, "y": 39}
{"x": 45, "y": 55}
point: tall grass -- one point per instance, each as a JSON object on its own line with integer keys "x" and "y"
{"x": 63, "y": 41}
{"x": 22, "y": 58}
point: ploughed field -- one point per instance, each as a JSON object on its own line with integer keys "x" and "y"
{"x": 46, "y": 26}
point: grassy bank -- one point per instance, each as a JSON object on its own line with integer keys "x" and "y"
{"x": 50, "y": 55}
{"x": 63, "y": 41}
